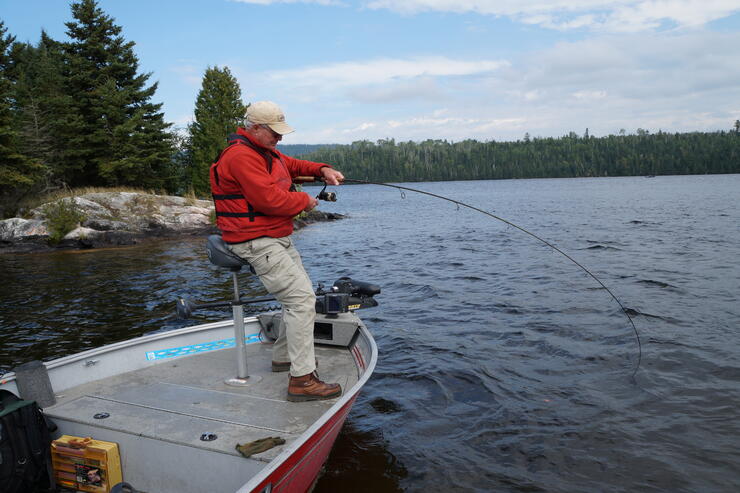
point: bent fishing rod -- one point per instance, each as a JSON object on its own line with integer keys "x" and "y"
{"x": 331, "y": 196}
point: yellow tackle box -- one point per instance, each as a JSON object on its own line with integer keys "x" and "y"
{"x": 85, "y": 464}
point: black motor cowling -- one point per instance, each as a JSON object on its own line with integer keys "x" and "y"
{"x": 346, "y": 294}
{"x": 355, "y": 288}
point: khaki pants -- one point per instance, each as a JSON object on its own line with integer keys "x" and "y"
{"x": 279, "y": 267}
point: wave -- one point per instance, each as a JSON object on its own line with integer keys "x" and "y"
{"x": 652, "y": 282}
{"x": 600, "y": 247}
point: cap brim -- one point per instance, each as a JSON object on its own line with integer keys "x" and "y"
{"x": 281, "y": 128}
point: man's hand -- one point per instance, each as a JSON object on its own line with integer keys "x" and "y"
{"x": 331, "y": 176}
{"x": 312, "y": 202}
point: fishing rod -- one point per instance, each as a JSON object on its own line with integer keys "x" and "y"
{"x": 332, "y": 197}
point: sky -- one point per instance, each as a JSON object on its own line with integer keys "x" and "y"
{"x": 348, "y": 70}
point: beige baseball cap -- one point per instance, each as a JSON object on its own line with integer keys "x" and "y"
{"x": 270, "y": 114}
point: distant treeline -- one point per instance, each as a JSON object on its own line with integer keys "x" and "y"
{"x": 570, "y": 156}
{"x": 302, "y": 149}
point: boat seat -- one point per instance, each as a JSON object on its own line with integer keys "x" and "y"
{"x": 220, "y": 255}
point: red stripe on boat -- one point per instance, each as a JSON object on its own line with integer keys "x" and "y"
{"x": 299, "y": 471}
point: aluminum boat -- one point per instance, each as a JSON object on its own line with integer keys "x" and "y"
{"x": 178, "y": 403}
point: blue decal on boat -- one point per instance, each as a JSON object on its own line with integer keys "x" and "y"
{"x": 199, "y": 348}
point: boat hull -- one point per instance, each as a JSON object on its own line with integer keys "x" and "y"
{"x": 301, "y": 470}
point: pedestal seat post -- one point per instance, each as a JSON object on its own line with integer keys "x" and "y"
{"x": 220, "y": 255}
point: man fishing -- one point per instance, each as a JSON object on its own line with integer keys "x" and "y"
{"x": 255, "y": 202}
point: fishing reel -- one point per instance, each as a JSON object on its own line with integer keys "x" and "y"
{"x": 346, "y": 294}
{"x": 323, "y": 194}
{"x": 327, "y": 196}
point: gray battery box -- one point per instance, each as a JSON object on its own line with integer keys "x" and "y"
{"x": 338, "y": 330}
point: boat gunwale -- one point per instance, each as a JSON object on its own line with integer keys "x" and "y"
{"x": 128, "y": 343}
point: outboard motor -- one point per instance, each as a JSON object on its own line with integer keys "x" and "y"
{"x": 345, "y": 295}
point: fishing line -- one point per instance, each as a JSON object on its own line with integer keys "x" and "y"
{"x": 509, "y": 223}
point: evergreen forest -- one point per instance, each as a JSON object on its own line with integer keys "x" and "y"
{"x": 79, "y": 113}
{"x": 642, "y": 154}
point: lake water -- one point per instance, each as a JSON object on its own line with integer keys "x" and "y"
{"x": 503, "y": 366}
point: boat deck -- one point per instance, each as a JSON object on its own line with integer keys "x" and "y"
{"x": 180, "y": 399}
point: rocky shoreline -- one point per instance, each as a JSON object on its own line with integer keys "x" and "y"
{"x": 110, "y": 219}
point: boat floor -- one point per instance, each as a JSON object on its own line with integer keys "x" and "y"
{"x": 178, "y": 400}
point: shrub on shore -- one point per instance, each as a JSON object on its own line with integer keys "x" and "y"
{"x": 62, "y": 217}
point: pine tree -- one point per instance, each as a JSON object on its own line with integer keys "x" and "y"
{"x": 218, "y": 111}
{"x": 18, "y": 172}
{"x": 181, "y": 162}
{"x": 44, "y": 108}
{"x": 117, "y": 136}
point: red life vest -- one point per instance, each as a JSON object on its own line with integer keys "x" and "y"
{"x": 235, "y": 216}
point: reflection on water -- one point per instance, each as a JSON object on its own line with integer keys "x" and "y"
{"x": 361, "y": 462}
{"x": 502, "y": 366}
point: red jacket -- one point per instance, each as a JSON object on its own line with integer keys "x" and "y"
{"x": 252, "y": 202}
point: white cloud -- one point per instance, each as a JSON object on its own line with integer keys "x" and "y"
{"x": 453, "y": 127}
{"x": 647, "y": 67}
{"x": 384, "y": 70}
{"x": 420, "y": 127}
{"x": 589, "y": 95}
{"x": 191, "y": 74}
{"x": 602, "y": 15}
{"x": 420, "y": 88}
{"x": 360, "y": 128}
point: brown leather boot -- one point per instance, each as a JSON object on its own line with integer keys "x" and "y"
{"x": 310, "y": 388}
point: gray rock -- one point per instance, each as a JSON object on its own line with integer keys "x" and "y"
{"x": 120, "y": 218}
{"x": 81, "y": 233}
{"x": 104, "y": 224}
{"x": 139, "y": 212}
{"x": 17, "y": 228}
{"x": 87, "y": 207}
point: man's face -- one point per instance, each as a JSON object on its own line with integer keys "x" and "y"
{"x": 265, "y": 136}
